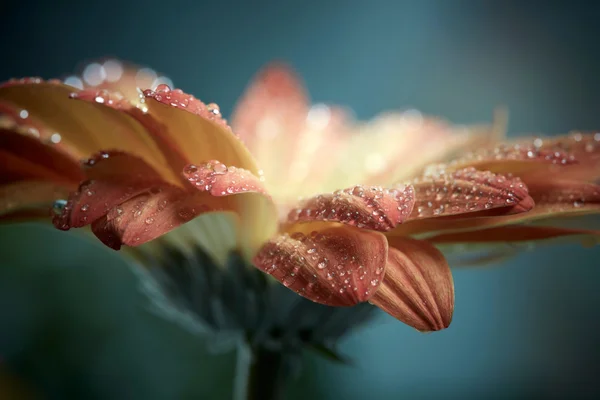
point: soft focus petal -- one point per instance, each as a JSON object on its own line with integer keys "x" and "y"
{"x": 517, "y": 158}
{"x": 26, "y": 157}
{"x": 365, "y": 207}
{"x": 196, "y": 129}
{"x": 337, "y": 266}
{"x": 575, "y": 156}
{"x": 30, "y": 195}
{"x": 510, "y": 233}
{"x": 87, "y": 127}
{"x": 274, "y": 113}
{"x": 467, "y": 191}
{"x": 276, "y": 94}
{"x": 584, "y": 148}
{"x": 417, "y": 288}
{"x": 117, "y": 76}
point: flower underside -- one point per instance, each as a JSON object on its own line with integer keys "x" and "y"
{"x": 137, "y": 161}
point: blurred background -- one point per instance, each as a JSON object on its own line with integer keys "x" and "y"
{"x": 73, "y": 320}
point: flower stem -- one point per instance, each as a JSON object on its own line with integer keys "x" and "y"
{"x": 261, "y": 374}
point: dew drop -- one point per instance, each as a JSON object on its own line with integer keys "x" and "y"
{"x": 59, "y": 206}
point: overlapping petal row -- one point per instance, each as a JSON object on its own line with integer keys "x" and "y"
{"x": 136, "y": 164}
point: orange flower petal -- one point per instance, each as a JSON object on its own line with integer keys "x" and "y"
{"x": 417, "y": 288}
{"x": 25, "y": 157}
{"x": 509, "y": 233}
{"x": 365, "y": 207}
{"x": 113, "y": 177}
{"x": 518, "y": 158}
{"x": 467, "y": 191}
{"x": 575, "y": 156}
{"x": 150, "y": 215}
{"x": 86, "y": 126}
{"x": 553, "y": 199}
{"x": 337, "y": 266}
{"x": 119, "y": 183}
{"x": 196, "y": 129}
{"x": 245, "y": 195}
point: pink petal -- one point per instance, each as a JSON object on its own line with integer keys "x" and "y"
{"x": 113, "y": 177}
{"x": 553, "y": 199}
{"x": 150, "y": 215}
{"x": 336, "y": 266}
{"x": 584, "y": 148}
{"x": 276, "y": 92}
{"x": 559, "y": 194}
{"x": 467, "y": 191}
{"x": 520, "y": 157}
{"x": 417, "y": 288}
{"x": 365, "y": 207}
{"x": 221, "y": 180}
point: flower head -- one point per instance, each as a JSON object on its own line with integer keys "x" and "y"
{"x": 376, "y": 198}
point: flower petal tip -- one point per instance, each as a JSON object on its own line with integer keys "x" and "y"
{"x": 220, "y": 180}
{"x": 418, "y": 288}
{"x": 178, "y": 99}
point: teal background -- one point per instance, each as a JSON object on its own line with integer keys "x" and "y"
{"x": 73, "y": 319}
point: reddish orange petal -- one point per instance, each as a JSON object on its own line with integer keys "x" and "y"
{"x": 514, "y": 158}
{"x": 25, "y": 157}
{"x": 364, "y": 207}
{"x": 553, "y": 199}
{"x": 245, "y": 194}
{"x": 336, "y": 266}
{"x": 510, "y": 233}
{"x": 150, "y": 215}
{"x": 87, "y": 127}
{"x": 557, "y": 195}
{"x": 467, "y": 191}
{"x": 113, "y": 177}
{"x": 417, "y": 288}
{"x": 585, "y": 149}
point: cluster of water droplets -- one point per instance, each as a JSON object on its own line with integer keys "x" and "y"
{"x": 112, "y": 99}
{"x": 325, "y": 268}
{"x": 179, "y": 99}
{"x": 221, "y": 180}
{"x": 368, "y": 207}
{"x": 533, "y": 150}
{"x": 464, "y": 191}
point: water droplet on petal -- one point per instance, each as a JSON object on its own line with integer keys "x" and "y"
{"x": 59, "y": 206}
